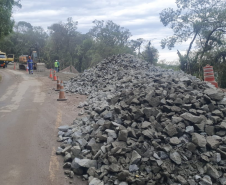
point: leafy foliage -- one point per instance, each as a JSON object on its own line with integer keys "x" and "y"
{"x": 150, "y": 54}
{"x": 70, "y": 47}
{"x": 6, "y": 23}
{"x": 200, "y": 22}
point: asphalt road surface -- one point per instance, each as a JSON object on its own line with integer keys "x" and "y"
{"x": 29, "y": 117}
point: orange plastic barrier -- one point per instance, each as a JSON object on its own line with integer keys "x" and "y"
{"x": 209, "y": 75}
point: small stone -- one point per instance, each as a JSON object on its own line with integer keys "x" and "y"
{"x": 206, "y": 180}
{"x": 171, "y": 130}
{"x": 145, "y": 124}
{"x": 67, "y": 165}
{"x": 82, "y": 142}
{"x": 175, "y": 157}
{"x": 189, "y": 129}
{"x": 199, "y": 140}
{"x": 211, "y": 171}
{"x": 86, "y": 163}
{"x": 216, "y": 157}
{"x": 135, "y": 157}
{"x": 162, "y": 155}
{"x": 64, "y": 128}
{"x": 71, "y": 175}
{"x": 159, "y": 162}
{"x": 76, "y": 150}
{"x": 114, "y": 168}
{"x": 59, "y": 150}
{"x": 96, "y": 181}
{"x": 111, "y": 133}
{"x": 181, "y": 180}
{"x": 175, "y": 141}
{"x": 123, "y": 175}
{"x": 123, "y": 183}
{"x": 123, "y": 134}
{"x": 209, "y": 130}
{"x": 212, "y": 142}
{"x": 214, "y": 94}
{"x": 192, "y": 118}
{"x": 112, "y": 159}
{"x": 67, "y": 157}
{"x": 191, "y": 146}
{"x": 223, "y": 180}
{"x": 91, "y": 171}
{"x": 133, "y": 168}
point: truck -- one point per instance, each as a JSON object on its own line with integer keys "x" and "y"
{"x": 4, "y": 59}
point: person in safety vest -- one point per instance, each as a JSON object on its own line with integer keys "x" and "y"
{"x": 56, "y": 66}
{"x": 30, "y": 65}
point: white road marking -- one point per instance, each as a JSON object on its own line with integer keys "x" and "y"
{"x": 19, "y": 91}
{"x": 9, "y": 91}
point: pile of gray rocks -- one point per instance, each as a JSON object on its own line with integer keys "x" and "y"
{"x": 144, "y": 125}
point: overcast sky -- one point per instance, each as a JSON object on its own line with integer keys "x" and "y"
{"x": 141, "y": 17}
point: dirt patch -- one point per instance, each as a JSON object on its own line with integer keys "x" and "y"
{"x": 69, "y": 69}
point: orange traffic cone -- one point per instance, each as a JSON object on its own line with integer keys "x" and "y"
{"x": 54, "y": 76}
{"x": 50, "y": 75}
{"x": 61, "y": 93}
{"x": 58, "y": 85}
{"x": 209, "y": 75}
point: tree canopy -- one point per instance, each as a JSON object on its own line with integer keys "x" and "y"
{"x": 202, "y": 22}
{"x": 65, "y": 43}
{"x": 6, "y": 23}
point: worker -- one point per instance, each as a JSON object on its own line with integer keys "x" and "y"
{"x": 56, "y": 66}
{"x": 30, "y": 65}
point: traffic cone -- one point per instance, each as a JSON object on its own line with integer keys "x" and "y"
{"x": 27, "y": 69}
{"x": 209, "y": 75}
{"x": 58, "y": 85}
{"x": 50, "y": 75}
{"x": 54, "y": 76}
{"x": 61, "y": 93}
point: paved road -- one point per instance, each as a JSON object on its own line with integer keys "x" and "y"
{"x": 28, "y": 125}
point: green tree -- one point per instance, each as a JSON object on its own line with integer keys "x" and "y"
{"x": 150, "y": 54}
{"x": 6, "y": 23}
{"x": 109, "y": 39}
{"x": 200, "y": 21}
{"x": 24, "y": 37}
{"x": 63, "y": 37}
{"x": 136, "y": 45}
{"x": 110, "y": 33}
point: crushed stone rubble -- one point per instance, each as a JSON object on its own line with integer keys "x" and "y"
{"x": 143, "y": 125}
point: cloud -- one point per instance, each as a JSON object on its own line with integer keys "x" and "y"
{"x": 140, "y": 17}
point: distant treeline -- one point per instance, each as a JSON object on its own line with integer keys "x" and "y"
{"x": 63, "y": 42}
